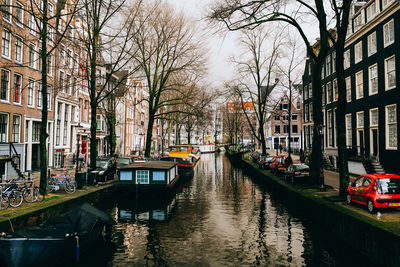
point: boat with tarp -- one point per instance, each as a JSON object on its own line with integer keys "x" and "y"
{"x": 186, "y": 156}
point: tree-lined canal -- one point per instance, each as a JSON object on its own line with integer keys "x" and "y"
{"x": 218, "y": 218}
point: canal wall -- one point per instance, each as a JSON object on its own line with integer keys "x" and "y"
{"x": 38, "y": 215}
{"x": 369, "y": 237}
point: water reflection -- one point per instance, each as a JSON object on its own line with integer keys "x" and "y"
{"x": 219, "y": 218}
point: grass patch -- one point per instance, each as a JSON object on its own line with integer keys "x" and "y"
{"x": 50, "y": 198}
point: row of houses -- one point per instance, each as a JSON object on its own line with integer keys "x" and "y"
{"x": 69, "y": 112}
{"x": 371, "y": 57}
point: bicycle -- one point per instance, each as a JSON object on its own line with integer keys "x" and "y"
{"x": 55, "y": 182}
{"x": 30, "y": 192}
{"x": 13, "y": 194}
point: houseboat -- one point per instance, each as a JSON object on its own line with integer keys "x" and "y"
{"x": 207, "y": 148}
{"x": 148, "y": 178}
{"x": 186, "y": 156}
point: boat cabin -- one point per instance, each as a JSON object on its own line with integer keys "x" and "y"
{"x": 180, "y": 151}
{"x": 148, "y": 173}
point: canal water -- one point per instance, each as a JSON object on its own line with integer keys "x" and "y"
{"x": 220, "y": 217}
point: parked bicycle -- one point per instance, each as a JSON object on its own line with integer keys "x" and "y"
{"x": 12, "y": 193}
{"x": 61, "y": 181}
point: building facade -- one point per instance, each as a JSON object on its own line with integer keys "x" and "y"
{"x": 371, "y": 57}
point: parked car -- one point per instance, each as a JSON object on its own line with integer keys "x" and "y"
{"x": 105, "y": 169}
{"x": 375, "y": 191}
{"x": 297, "y": 172}
{"x": 123, "y": 161}
{"x": 280, "y": 163}
{"x": 264, "y": 162}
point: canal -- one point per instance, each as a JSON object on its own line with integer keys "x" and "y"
{"x": 217, "y": 218}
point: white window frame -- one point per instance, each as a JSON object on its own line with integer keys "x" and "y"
{"x": 7, "y": 100}
{"x": 359, "y": 115}
{"x": 19, "y": 129}
{"x": 4, "y": 5}
{"x": 20, "y": 6}
{"x": 329, "y": 91}
{"x": 7, "y": 127}
{"x": 39, "y": 101}
{"x": 6, "y": 43}
{"x": 358, "y": 56}
{"x": 385, "y": 3}
{"x": 386, "y": 73}
{"x": 372, "y": 10}
{"x": 359, "y": 94}
{"x": 335, "y": 90}
{"x": 18, "y": 40}
{"x": 349, "y": 137}
{"x": 32, "y": 64}
{"x": 371, "y": 124}
{"x": 328, "y": 65}
{"x": 388, "y": 145}
{"x": 371, "y": 43}
{"x": 386, "y": 31}
{"x": 20, "y": 89}
{"x": 372, "y": 78}
{"x": 348, "y": 89}
{"x": 136, "y": 176}
{"x": 32, "y": 24}
{"x": 346, "y": 59}
{"x": 31, "y": 92}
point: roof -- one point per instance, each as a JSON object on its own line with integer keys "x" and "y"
{"x": 150, "y": 165}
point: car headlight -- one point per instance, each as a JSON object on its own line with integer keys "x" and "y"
{"x": 101, "y": 172}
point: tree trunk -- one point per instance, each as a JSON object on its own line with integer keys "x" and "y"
{"x": 290, "y": 119}
{"x": 93, "y": 132}
{"x": 262, "y": 140}
{"x": 43, "y": 124}
{"x": 149, "y": 135}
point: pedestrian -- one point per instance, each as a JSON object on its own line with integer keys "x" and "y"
{"x": 280, "y": 149}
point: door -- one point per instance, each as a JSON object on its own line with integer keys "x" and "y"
{"x": 361, "y": 142}
{"x": 365, "y": 189}
{"x": 355, "y": 189}
{"x": 374, "y": 142}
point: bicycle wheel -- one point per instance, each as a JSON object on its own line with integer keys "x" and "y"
{"x": 4, "y": 202}
{"x": 70, "y": 187}
{"x": 51, "y": 184}
{"x": 31, "y": 194}
{"x": 15, "y": 198}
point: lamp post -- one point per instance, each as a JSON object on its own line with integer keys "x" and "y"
{"x": 320, "y": 128}
{"x": 77, "y": 146}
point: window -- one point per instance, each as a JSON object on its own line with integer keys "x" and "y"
{"x": 391, "y": 127}
{"x": 373, "y": 117}
{"x": 62, "y": 56}
{"x": 390, "y": 73}
{"x": 328, "y": 65}
{"x": 305, "y": 92}
{"x": 358, "y": 21}
{"x": 6, "y": 43}
{"x": 311, "y": 112}
{"x": 285, "y": 106}
{"x": 373, "y": 79}
{"x": 295, "y": 128}
{"x": 277, "y": 117}
{"x": 349, "y": 139}
{"x": 40, "y": 60}
{"x": 388, "y": 33}
{"x": 385, "y": 3}
{"x": 333, "y": 61}
{"x": 330, "y": 127}
{"x": 294, "y": 116}
{"x": 32, "y": 56}
{"x": 18, "y": 49}
{"x": 348, "y": 89}
{"x": 98, "y": 122}
{"x": 285, "y": 128}
{"x": 3, "y": 127}
{"x": 58, "y": 133}
{"x": 74, "y": 86}
{"x": 335, "y": 90}
{"x": 346, "y": 59}
{"x": 372, "y": 10}
{"x": 360, "y": 119}
{"x": 306, "y": 113}
{"x": 158, "y": 176}
{"x": 277, "y": 129}
{"x": 16, "y": 128}
{"x": 310, "y": 90}
{"x": 65, "y": 134}
{"x": 323, "y": 94}
{"x": 142, "y": 177}
{"x": 19, "y": 14}
{"x": 5, "y": 85}
{"x": 359, "y": 85}
{"x": 125, "y": 176}
{"x": 50, "y": 37}
{"x": 31, "y": 91}
{"x": 39, "y": 95}
{"x": 50, "y": 9}
{"x": 32, "y": 24}
{"x": 36, "y": 131}
{"x": 50, "y": 65}
{"x": 328, "y": 92}
{"x": 17, "y": 88}
{"x": 68, "y": 84}
{"x": 358, "y": 52}
{"x": 371, "y": 43}
{"x": 7, "y": 10}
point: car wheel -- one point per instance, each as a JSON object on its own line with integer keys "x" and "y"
{"x": 348, "y": 199}
{"x": 370, "y": 206}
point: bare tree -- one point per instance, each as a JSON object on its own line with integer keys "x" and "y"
{"x": 236, "y": 15}
{"x": 167, "y": 46}
{"x": 257, "y": 71}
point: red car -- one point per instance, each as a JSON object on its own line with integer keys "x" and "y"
{"x": 375, "y": 190}
{"x": 280, "y": 163}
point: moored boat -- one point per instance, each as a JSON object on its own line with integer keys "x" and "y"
{"x": 186, "y": 156}
{"x": 61, "y": 239}
{"x": 148, "y": 178}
